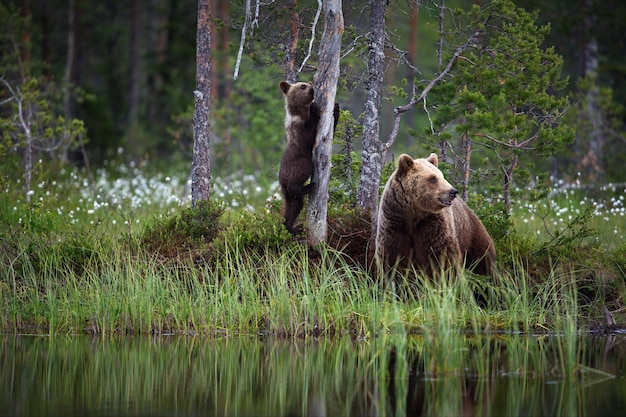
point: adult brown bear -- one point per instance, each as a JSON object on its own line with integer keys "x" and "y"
{"x": 422, "y": 223}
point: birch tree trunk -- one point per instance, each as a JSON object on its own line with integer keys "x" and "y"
{"x": 372, "y": 155}
{"x": 201, "y": 164}
{"x": 325, "y": 83}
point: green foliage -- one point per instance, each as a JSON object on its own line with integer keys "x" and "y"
{"x": 36, "y": 235}
{"x": 14, "y": 27}
{"x": 575, "y": 164}
{"x": 617, "y": 258}
{"x": 193, "y": 227}
{"x": 500, "y": 105}
{"x": 494, "y": 216}
{"x": 345, "y": 167}
{"x": 575, "y": 233}
{"x": 248, "y": 132}
{"x": 31, "y": 104}
{"x": 258, "y": 231}
{"x": 31, "y": 121}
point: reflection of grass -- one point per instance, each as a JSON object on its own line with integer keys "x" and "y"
{"x": 235, "y": 376}
{"x": 452, "y": 374}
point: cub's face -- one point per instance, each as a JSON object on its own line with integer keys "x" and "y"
{"x": 422, "y": 185}
{"x": 297, "y": 94}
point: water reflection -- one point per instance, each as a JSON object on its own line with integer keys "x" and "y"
{"x": 446, "y": 375}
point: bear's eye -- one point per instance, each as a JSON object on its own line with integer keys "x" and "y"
{"x": 303, "y": 87}
{"x": 433, "y": 180}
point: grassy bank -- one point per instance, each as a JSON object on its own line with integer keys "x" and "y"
{"x": 123, "y": 253}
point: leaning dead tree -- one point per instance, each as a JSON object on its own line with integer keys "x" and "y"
{"x": 201, "y": 165}
{"x": 325, "y": 84}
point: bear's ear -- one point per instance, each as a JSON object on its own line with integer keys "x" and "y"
{"x": 405, "y": 163}
{"x": 433, "y": 159}
{"x": 285, "y": 86}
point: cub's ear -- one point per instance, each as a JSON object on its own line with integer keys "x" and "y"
{"x": 405, "y": 163}
{"x": 433, "y": 159}
{"x": 285, "y": 86}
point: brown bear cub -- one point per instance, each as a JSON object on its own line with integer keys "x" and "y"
{"x": 302, "y": 116}
{"x": 421, "y": 223}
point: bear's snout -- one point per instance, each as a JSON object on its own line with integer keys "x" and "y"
{"x": 446, "y": 199}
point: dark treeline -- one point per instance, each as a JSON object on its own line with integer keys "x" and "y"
{"x": 133, "y": 64}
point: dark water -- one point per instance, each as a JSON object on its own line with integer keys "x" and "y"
{"x": 447, "y": 375}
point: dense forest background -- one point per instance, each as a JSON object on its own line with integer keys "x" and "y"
{"x": 127, "y": 70}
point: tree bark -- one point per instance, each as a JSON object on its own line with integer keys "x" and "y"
{"x": 369, "y": 181}
{"x": 291, "y": 48}
{"x": 201, "y": 165}
{"x": 325, "y": 82}
{"x": 467, "y": 141}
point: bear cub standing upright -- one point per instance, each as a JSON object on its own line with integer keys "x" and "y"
{"x": 302, "y": 116}
{"x": 422, "y": 223}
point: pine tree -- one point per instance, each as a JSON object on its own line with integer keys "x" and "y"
{"x": 500, "y": 109}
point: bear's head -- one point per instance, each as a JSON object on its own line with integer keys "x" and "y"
{"x": 422, "y": 185}
{"x": 298, "y": 97}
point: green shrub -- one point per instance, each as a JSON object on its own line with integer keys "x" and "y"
{"x": 192, "y": 228}
{"x": 256, "y": 230}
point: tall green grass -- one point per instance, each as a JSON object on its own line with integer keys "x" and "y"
{"x": 122, "y": 256}
{"x": 282, "y": 293}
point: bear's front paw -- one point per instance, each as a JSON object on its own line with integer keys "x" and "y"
{"x": 314, "y": 108}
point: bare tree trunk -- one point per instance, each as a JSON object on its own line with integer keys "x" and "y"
{"x": 466, "y": 164}
{"x": 376, "y": 161}
{"x": 506, "y": 190}
{"x": 28, "y": 149}
{"x": 201, "y": 165}
{"x": 325, "y": 83}
{"x": 290, "y": 49}
{"x": 369, "y": 181}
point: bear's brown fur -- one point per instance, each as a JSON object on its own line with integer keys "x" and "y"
{"x": 302, "y": 117}
{"x": 422, "y": 223}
